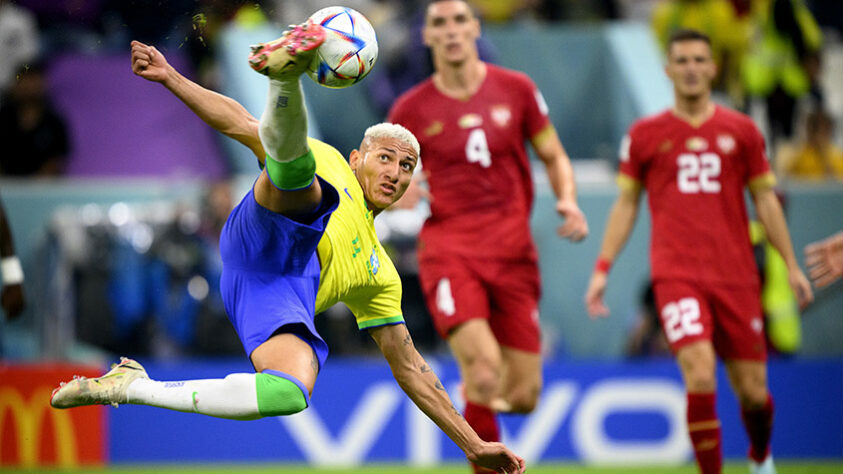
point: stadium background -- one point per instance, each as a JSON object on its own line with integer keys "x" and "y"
{"x": 104, "y": 250}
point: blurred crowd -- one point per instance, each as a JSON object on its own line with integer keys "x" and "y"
{"x": 770, "y": 56}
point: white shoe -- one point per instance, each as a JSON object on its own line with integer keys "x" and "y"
{"x": 765, "y": 467}
{"x": 109, "y": 389}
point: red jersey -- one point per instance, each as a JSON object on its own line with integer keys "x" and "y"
{"x": 695, "y": 179}
{"x": 474, "y": 155}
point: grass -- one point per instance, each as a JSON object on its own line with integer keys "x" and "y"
{"x": 807, "y": 467}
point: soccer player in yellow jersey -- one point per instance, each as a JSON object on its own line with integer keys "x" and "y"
{"x": 302, "y": 239}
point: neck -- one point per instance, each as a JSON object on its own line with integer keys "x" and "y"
{"x": 694, "y": 109}
{"x": 460, "y": 81}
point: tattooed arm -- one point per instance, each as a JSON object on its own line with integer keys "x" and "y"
{"x": 423, "y": 387}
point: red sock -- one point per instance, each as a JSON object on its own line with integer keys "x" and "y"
{"x": 485, "y": 423}
{"x": 759, "y": 426}
{"x": 704, "y": 429}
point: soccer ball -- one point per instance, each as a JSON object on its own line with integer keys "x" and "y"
{"x": 349, "y": 51}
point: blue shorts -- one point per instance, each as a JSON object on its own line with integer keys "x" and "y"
{"x": 270, "y": 272}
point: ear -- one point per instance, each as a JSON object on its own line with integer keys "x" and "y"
{"x": 354, "y": 159}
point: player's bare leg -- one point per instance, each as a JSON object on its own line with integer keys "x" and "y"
{"x": 289, "y": 354}
{"x": 479, "y": 358}
{"x": 698, "y": 363}
{"x": 749, "y": 382}
{"x": 521, "y": 381}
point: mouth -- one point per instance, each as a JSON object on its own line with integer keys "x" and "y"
{"x": 388, "y": 189}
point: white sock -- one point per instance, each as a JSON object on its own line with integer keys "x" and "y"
{"x": 234, "y": 397}
{"x": 283, "y": 127}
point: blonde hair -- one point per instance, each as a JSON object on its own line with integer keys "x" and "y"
{"x": 393, "y": 130}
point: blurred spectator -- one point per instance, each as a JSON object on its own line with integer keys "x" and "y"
{"x": 577, "y": 10}
{"x": 11, "y": 273}
{"x": 718, "y": 20}
{"x": 782, "y": 64}
{"x": 18, "y": 41}
{"x": 817, "y": 157}
{"x": 783, "y": 325}
{"x": 33, "y": 133}
{"x": 501, "y": 11}
{"x": 647, "y": 338}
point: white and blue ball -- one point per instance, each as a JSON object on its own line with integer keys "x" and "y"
{"x": 349, "y": 51}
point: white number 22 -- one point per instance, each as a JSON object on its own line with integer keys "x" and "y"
{"x": 681, "y": 318}
{"x": 477, "y": 149}
{"x": 698, "y": 173}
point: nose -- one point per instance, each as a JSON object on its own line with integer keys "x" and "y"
{"x": 392, "y": 171}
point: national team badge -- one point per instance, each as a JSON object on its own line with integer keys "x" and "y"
{"x": 665, "y": 146}
{"x": 374, "y": 263}
{"x": 726, "y": 143}
{"x": 757, "y": 325}
{"x": 501, "y": 115}
{"x": 696, "y": 144}
{"x": 435, "y": 128}
{"x": 470, "y": 121}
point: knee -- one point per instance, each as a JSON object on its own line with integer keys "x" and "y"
{"x": 751, "y": 394}
{"x": 523, "y": 400}
{"x": 700, "y": 378}
{"x": 482, "y": 377}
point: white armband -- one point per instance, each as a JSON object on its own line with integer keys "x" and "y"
{"x": 11, "y": 270}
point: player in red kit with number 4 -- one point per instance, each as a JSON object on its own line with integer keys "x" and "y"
{"x": 477, "y": 261}
{"x": 694, "y": 162}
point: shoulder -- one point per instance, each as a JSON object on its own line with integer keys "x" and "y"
{"x": 509, "y": 76}
{"x": 420, "y": 91}
{"x": 646, "y": 126}
{"x": 740, "y": 123}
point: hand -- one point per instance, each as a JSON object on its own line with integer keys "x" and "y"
{"x": 594, "y": 295}
{"x": 12, "y": 300}
{"x": 801, "y": 287}
{"x": 575, "y": 227}
{"x": 497, "y": 457}
{"x": 148, "y": 62}
{"x": 825, "y": 260}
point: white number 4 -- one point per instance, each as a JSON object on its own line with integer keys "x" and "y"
{"x": 681, "y": 318}
{"x": 698, "y": 173}
{"x": 477, "y": 149}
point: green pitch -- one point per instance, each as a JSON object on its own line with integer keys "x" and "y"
{"x": 730, "y": 468}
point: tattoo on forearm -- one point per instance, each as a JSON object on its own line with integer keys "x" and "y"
{"x": 425, "y": 368}
{"x": 439, "y": 386}
{"x": 456, "y": 412}
{"x": 407, "y": 339}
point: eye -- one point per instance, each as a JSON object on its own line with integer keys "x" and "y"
{"x": 384, "y": 157}
{"x": 407, "y": 166}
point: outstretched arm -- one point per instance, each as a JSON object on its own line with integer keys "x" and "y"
{"x": 772, "y": 218}
{"x": 561, "y": 175}
{"x": 10, "y": 271}
{"x": 423, "y": 387}
{"x": 620, "y": 224}
{"x": 222, "y": 113}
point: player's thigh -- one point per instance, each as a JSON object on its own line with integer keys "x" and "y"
{"x": 515, "y": 290}
{"x": 739, "y": 323}
{"x": 288, "y": 353}
{"x": 521, "y": 380}
{"x": 749, "y": 381}
{"x": 476, "y": 351}
{"x": 453, "y": 293}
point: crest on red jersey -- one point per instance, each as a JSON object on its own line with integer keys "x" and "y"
{"x": 501, "y": 115}
{"x": 470, "y": 121}
{"x": 434, "y": 128}
{"x": 726, "y": 143}
{"x": 696, "y": 144}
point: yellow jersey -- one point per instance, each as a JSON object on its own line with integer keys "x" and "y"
{"x": 355, "y": 269}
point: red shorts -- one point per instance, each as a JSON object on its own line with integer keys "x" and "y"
{"x": 729, "y": 317}
{"x": 503, "y": 292}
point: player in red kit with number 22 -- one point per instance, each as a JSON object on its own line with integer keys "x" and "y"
{"x": 695, "y": 161}
{"x": 477, "y": 260}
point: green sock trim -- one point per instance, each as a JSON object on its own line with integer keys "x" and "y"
{"x": 278, "y": 396}
{"x": 292, "y": 175}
